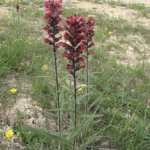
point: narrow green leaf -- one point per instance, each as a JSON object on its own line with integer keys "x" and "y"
{"x": 89, "y": 116}
{"x": 89, "y": 142}
{"x": 50, "y": 136}
{"x": 63, "y": 110}
{"x": 138, "y": 135}
{"x": 85, "y": 126}
{"x": 48, "y": 113}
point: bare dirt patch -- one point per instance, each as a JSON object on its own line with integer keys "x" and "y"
{"x": 117, "y": 12}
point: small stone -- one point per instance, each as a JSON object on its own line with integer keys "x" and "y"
{"x": 147, "y": 10}
{"x": 99, "y": 14}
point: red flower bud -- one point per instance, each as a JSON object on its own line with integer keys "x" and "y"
{"x": 82, "y": 59}
{"x": 74, "y": 55}
{"x": 17, "y": 7}
{"x": 46, "y": 40}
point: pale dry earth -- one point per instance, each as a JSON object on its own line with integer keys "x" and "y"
{"x": 146, "y": 2}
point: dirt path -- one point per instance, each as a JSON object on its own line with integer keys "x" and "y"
{"x": 133, "y": 16}
{"x": 146, "y": 2}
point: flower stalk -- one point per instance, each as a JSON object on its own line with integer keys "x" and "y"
{"x": 75, "y": 35}
{"x": 88, "y": 42}
{"x": 53, "y": 18}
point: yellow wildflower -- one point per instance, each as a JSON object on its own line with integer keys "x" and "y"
{"x": 103, "y": 34}
{"x": 83, "y": 85}
{"x": 20, "y": 39}
{"x": 95, "y": 27}
{"x": 34, "y": 102}
{"x": 106, "y": 28}
{"x": 48, "y": 73}
{"x": 13, "y": 91}
{"x": 9, "y": 134}
{"x": 70, "y": 96}
{"x": 58, "y": 79}
{"x": 80, "y": 89}
{"x": 45, "y": 67}
{"x": 109, "y": 33}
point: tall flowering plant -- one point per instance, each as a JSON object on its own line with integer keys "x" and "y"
{"x": 89, "y": 43}
{"x": 53, "y": 18}
{"x": 75, "y": 34}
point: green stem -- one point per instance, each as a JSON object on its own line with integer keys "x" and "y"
{"x": 75, "y": 102}
{"x": 87, "y": 81}
{"x": 57, "y": 90}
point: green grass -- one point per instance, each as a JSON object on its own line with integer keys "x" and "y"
{"x": 119, "y": 93}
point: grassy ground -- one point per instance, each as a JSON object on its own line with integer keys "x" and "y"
{"x": 119, "y": 86}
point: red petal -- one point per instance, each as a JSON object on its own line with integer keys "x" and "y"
{"x": 74, "y": 55}
{"x": 82, "y": 59}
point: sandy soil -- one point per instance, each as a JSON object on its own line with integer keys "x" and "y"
{"x": 146, "y": 2}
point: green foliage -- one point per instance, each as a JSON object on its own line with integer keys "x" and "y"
{"x": 31, "y": 139}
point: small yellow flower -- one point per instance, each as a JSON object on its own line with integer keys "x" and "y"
{"x": 106, "y": 28}
{"x": 32, "y": 13}
{"x": 80, "y": 89}
{"x": 48, "y": 73}
{"x": 58, "y": 79}
{"x": 76, "y": 12}
{"x": 9, "y": 134}
{"x": 34, "y": 102}
{"x": 70, "y": 96}
{"x": 103, "y": 34}
{"x": 45, "y": 67}
{"x": 95, "y": 27}
{"x": 20, "y": 39}
{"x": 13, "y": 91}
{"x": 109, "y": 32}
{"x": 68, "y": 60}
{"x": 83, "y": 85}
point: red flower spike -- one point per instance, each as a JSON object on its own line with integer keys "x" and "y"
{"x": 76, "y": 28}
{"x": 17, "y": 7}
{"x": 53, "y": 18}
